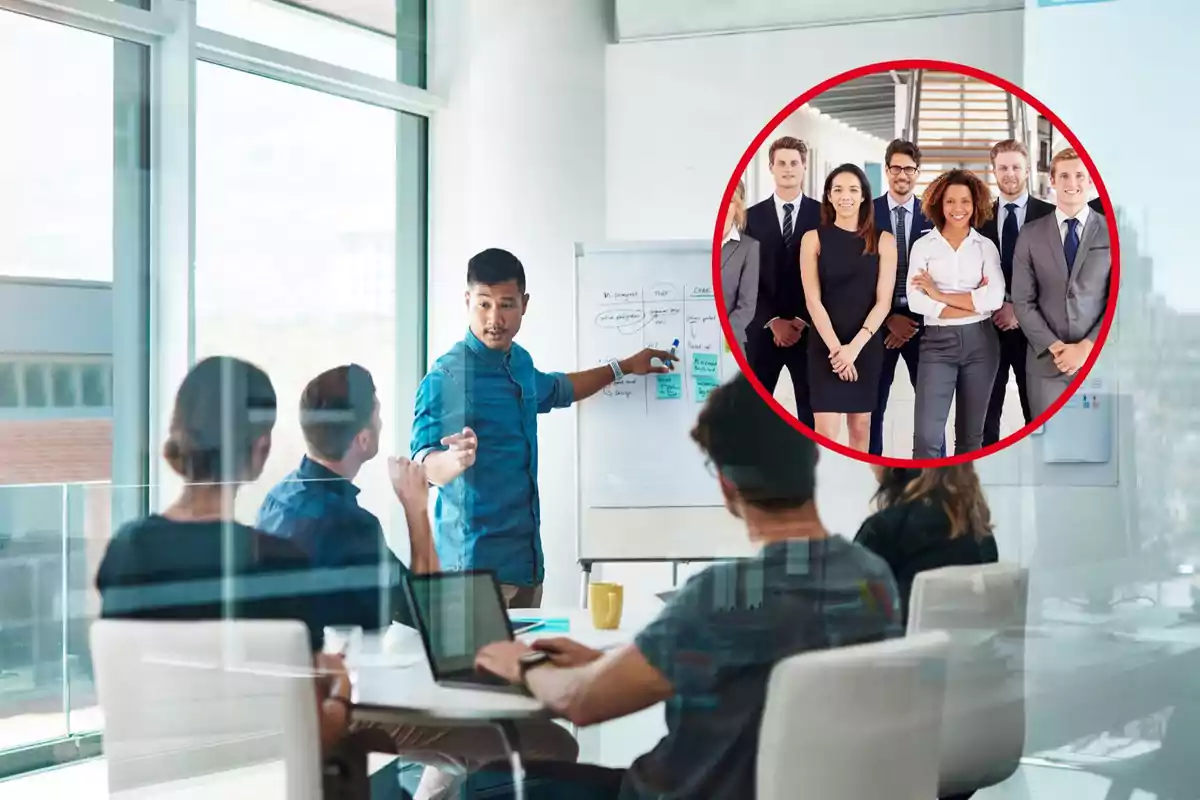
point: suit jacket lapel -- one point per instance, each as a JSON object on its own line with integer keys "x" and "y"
{"x": 1056, "y": 244}
{"x": 771, "y": 218}
{"x": 1085, "y": 241}
{"x": 728, "y": 255}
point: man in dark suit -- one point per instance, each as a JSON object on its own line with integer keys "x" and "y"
{"x": 1010, "y": 213}
{"x": 899, "y": 213}
{"x": 774, "y": 338}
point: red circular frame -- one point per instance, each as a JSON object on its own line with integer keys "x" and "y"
{"x": 871, "y": 69}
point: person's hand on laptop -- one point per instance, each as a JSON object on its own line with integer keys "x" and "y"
{"x": 566, "y": 652}
{"x": 502, "y": 659}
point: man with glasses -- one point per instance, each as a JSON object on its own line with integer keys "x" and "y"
{"x": 899, "y": 213}
{"x": 1010, "y": 213}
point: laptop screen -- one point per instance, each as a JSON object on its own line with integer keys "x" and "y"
{"x": 459, "y": 612}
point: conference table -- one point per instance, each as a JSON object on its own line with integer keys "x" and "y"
{"x": 393, "y": 683}
{"x": 1077, "y": 679}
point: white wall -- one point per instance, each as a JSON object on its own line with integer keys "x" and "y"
{"x": 829, "y": 140}
{"x": 517, "y": 161}
{"x": 680, "y": 113}
{"x": 639, "y": 19}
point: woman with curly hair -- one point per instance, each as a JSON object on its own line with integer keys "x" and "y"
{"x": 928, "y": 518}
{"x": 955, "y": 283}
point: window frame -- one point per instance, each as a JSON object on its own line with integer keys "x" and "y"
{"x": 154, "y": 291}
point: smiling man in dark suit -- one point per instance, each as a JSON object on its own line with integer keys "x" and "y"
{"x": 781, "y": 316}
{"x": 1010, "y": 213}
{"x": 898, "y": 212}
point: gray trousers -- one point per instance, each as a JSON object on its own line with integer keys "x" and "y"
{"x": 959, "y": 363}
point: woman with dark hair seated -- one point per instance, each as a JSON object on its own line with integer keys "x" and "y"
{"x": 173, "y": 565}
{"x": 928, "y": 518}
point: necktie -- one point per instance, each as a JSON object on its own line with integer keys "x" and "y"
{"x": 787, "y": 223}
{"x": 901, "y": 294}
{"x": 1071, "y": 243}
{"x": 1008, "y": 240}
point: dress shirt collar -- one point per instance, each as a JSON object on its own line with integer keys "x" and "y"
{"x": 1021, "y": 201}
{"x": 908, "y": 204}
{"x": 495, "y": 358}
{"x": 732, "y": 236}
{"x": 1082, "y": 216}
{"x": 973, "y": 236}
{"x": 312, "y": 471}
{"x": 779, "y": 203}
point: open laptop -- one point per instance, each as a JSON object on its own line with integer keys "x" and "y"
{"x": 456, "y": 614}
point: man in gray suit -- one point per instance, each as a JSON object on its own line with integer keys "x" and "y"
{"x": 1060, "y": 283}
{"x": 739, "y": 268}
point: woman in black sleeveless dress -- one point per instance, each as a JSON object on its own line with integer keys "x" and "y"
{"x": 849, "y": 275}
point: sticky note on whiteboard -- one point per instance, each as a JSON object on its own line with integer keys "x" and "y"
{"x": 704, "y": 363}
{"x": 670, "y": 387}
{"x": 704, "y": 384}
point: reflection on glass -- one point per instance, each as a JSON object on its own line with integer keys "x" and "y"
{"x": 1133, "y": 564}
{"x": 295, "y": 248}
{"x": 92, "y": 386}
{"x": 61, "y": 216}
{"x": 62, "y": 379}
{"x": 9, "y": 392}
{"x": 384, "y": 38}
{"x": 37, "y": 393}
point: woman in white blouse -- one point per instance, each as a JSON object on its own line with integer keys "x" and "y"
{"x": 955, "y": 282}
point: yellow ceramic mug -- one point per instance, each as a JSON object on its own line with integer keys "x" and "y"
{"x": 605, "y": 601}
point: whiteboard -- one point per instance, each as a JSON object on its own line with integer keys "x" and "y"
{"x": 644, "y": 490}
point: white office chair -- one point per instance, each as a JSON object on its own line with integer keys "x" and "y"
{"x": 982, "y": 608}
{"x": 855, "y": 722}
{"x": 207, "y": 709}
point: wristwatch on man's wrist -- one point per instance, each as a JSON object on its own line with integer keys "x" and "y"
{"x": 534, "y": 658}
{"x": 615, "y": 366}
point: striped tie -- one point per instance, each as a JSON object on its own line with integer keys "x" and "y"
{"x": 901, "y": 294}
{"x": 788, "y": 228}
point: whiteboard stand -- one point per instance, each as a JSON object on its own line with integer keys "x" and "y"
{"x": 644, "y": 491}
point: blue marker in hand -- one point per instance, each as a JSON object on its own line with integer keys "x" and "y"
{"x": 674, "y": 358}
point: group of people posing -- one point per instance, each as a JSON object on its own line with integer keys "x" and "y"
{"x": 839, "y": 289}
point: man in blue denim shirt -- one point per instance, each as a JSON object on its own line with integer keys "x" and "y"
{"x": 475, "y": 430}
{"x": 316, "y": 506}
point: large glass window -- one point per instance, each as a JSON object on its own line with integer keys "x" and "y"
{"x": 73, "y": 179}
{"x": 296, "y": 217}
{"x": 1129, "y": 546}
{"x": 384, "y": 38}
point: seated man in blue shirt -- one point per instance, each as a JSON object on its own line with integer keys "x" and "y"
{"x": 316, "y": 507}
{"x": 710, "y": 652}
{"x": 475, "y": 431}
